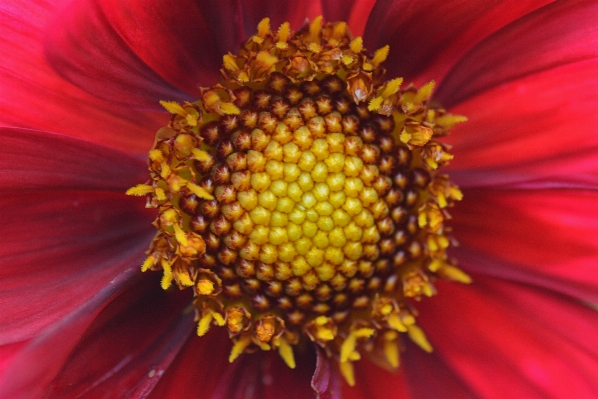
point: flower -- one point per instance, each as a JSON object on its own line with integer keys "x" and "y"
{"x": 80, "y": 320}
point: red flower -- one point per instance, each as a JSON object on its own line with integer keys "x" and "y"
{"x": 79, "y": 320}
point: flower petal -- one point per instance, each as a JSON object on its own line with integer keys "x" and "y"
{"x": 202, "y": 371}
{"x": 429, "y": 376}
{"x": 36, "y": 160}
{"x": 86, "y": 48}
{"x": 63, "y": 247}
{"x": 132, "y": 343}
{"x": 557, "y": 34}
{"x": 511, "y": 340}
{"x": 35, "y": 96}
{"x": 138, "y": 53}
{"x": 374, "y": 382}
{"x": 427, "y": 37}
{"x": 69, "y": 235}
{"x": 354, "y": 12}
{"x": 546, "y": 237}
{"x": 325, "y": 382}
{"x": 34, "y": 367}
{"x": 537, "y": 126}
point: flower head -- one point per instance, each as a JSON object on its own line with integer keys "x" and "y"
{"x": 300, "y": 198}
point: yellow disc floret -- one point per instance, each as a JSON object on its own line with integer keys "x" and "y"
{"x": 300, "y": 198}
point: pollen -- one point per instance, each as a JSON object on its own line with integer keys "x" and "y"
{"x": 301, "y": 199}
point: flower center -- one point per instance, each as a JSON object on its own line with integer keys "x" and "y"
{"x": 300, "y": 198}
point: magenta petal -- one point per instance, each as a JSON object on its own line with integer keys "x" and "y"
{"x": 427, "y": 37}
{"x": 557, "y": 34}
{"x": 36, "y": 365}
{"x": 326, "y": 380}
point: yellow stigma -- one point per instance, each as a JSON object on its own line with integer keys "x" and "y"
{"x": 300, "y": 198}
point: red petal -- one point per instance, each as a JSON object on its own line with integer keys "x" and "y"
{"x": 539, "y": 125}
{"x": 55, "y": 201}
{"x": 129, "y": 346}
{"x": 35, "y": 96}
{"x": 35, "y": 160}
{"x": 373, "y": 382}
{"x": 137, "y": 53}
{"x": 35, "y": 366}
{"x": 508, "y": 340}
{"x": 202, "y": 371}
{"x": 544, "y": 237}
{"x": 557, "y": 34}
{"x": 86, "y": 48}
{"x": 428, "y": 376}
{"x": 354, "y": 12}
{"x": 63, "y": 248}
{"x": 427, "y": 37}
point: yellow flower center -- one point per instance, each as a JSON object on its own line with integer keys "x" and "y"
{"x": 300, "y": 198}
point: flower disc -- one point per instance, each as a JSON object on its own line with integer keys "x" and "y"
{"x": 300, "y": 198}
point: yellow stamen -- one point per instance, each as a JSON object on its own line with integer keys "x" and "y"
{"x": 417, "y": 335}
{"x": 239, "y": 348}
{"x": 380, "y": 55}
{"x": 348, "y": 372}
{"x": 286, "y": 352}
{"x": 199, "y": 191}
{"x": 140, "y": 189}
{"x": 173, "y": 107}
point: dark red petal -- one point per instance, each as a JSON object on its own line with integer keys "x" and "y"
{"x": 374, "y": 382}
{"x": 33, "y": 95}
{"x": 557, "y": 34}
{"x": 69, "y": 236}
{"x": 202, "y": 371}
{"x": 138, "y": 53}
{"x": 509, "y": 340}
{"x": 541, "y": 125}
{"x": 63, "y": 247}
{"x": 129, "y": 346}
{"x": 427, "y": 37}
{"x": 428, "y": 376}
{"x": 34, "y": 367}
{"x": 544, "y": 237}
